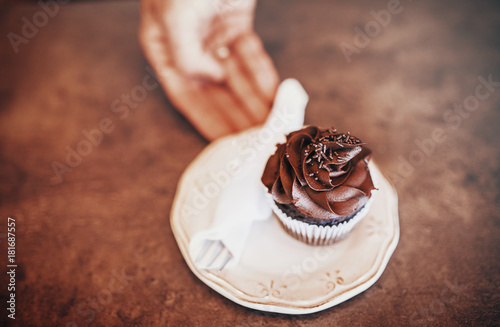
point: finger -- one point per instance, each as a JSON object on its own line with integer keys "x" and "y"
{"x": 155, "y": 49}
{"x": 188, "y": 97}
{"x": 227, "y": 106}
{"x": 225, "y": 7}
{"x": 202, "y": 111}
{"x": 188, "y": 50}
{"x": 211, "y": 108}
{"x": 227, "y": 28}
{"x": 258, "y": 64}
{"x": 239, "y": 82}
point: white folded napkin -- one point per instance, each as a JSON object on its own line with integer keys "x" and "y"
{"x": 243, "y": 200}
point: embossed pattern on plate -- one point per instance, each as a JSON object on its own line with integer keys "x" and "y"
{"x": 278, "y": 273}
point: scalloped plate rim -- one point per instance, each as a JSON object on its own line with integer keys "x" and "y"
{"x": 226, "y": 289}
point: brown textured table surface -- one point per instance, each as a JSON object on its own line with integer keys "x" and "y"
{"x": 97, "y": 249}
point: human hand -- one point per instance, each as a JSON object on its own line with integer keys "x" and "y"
{"x": 210, "y": 62}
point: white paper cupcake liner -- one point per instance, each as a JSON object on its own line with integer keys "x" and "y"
{"x": 319, "y": 235}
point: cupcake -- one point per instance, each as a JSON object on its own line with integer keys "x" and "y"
{"x": 320, "y": 184}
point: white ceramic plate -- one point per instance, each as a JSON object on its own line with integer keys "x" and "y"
{"x": 278, "y": 273}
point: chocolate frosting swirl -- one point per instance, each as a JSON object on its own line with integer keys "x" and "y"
{"x": 323, "y": 173}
